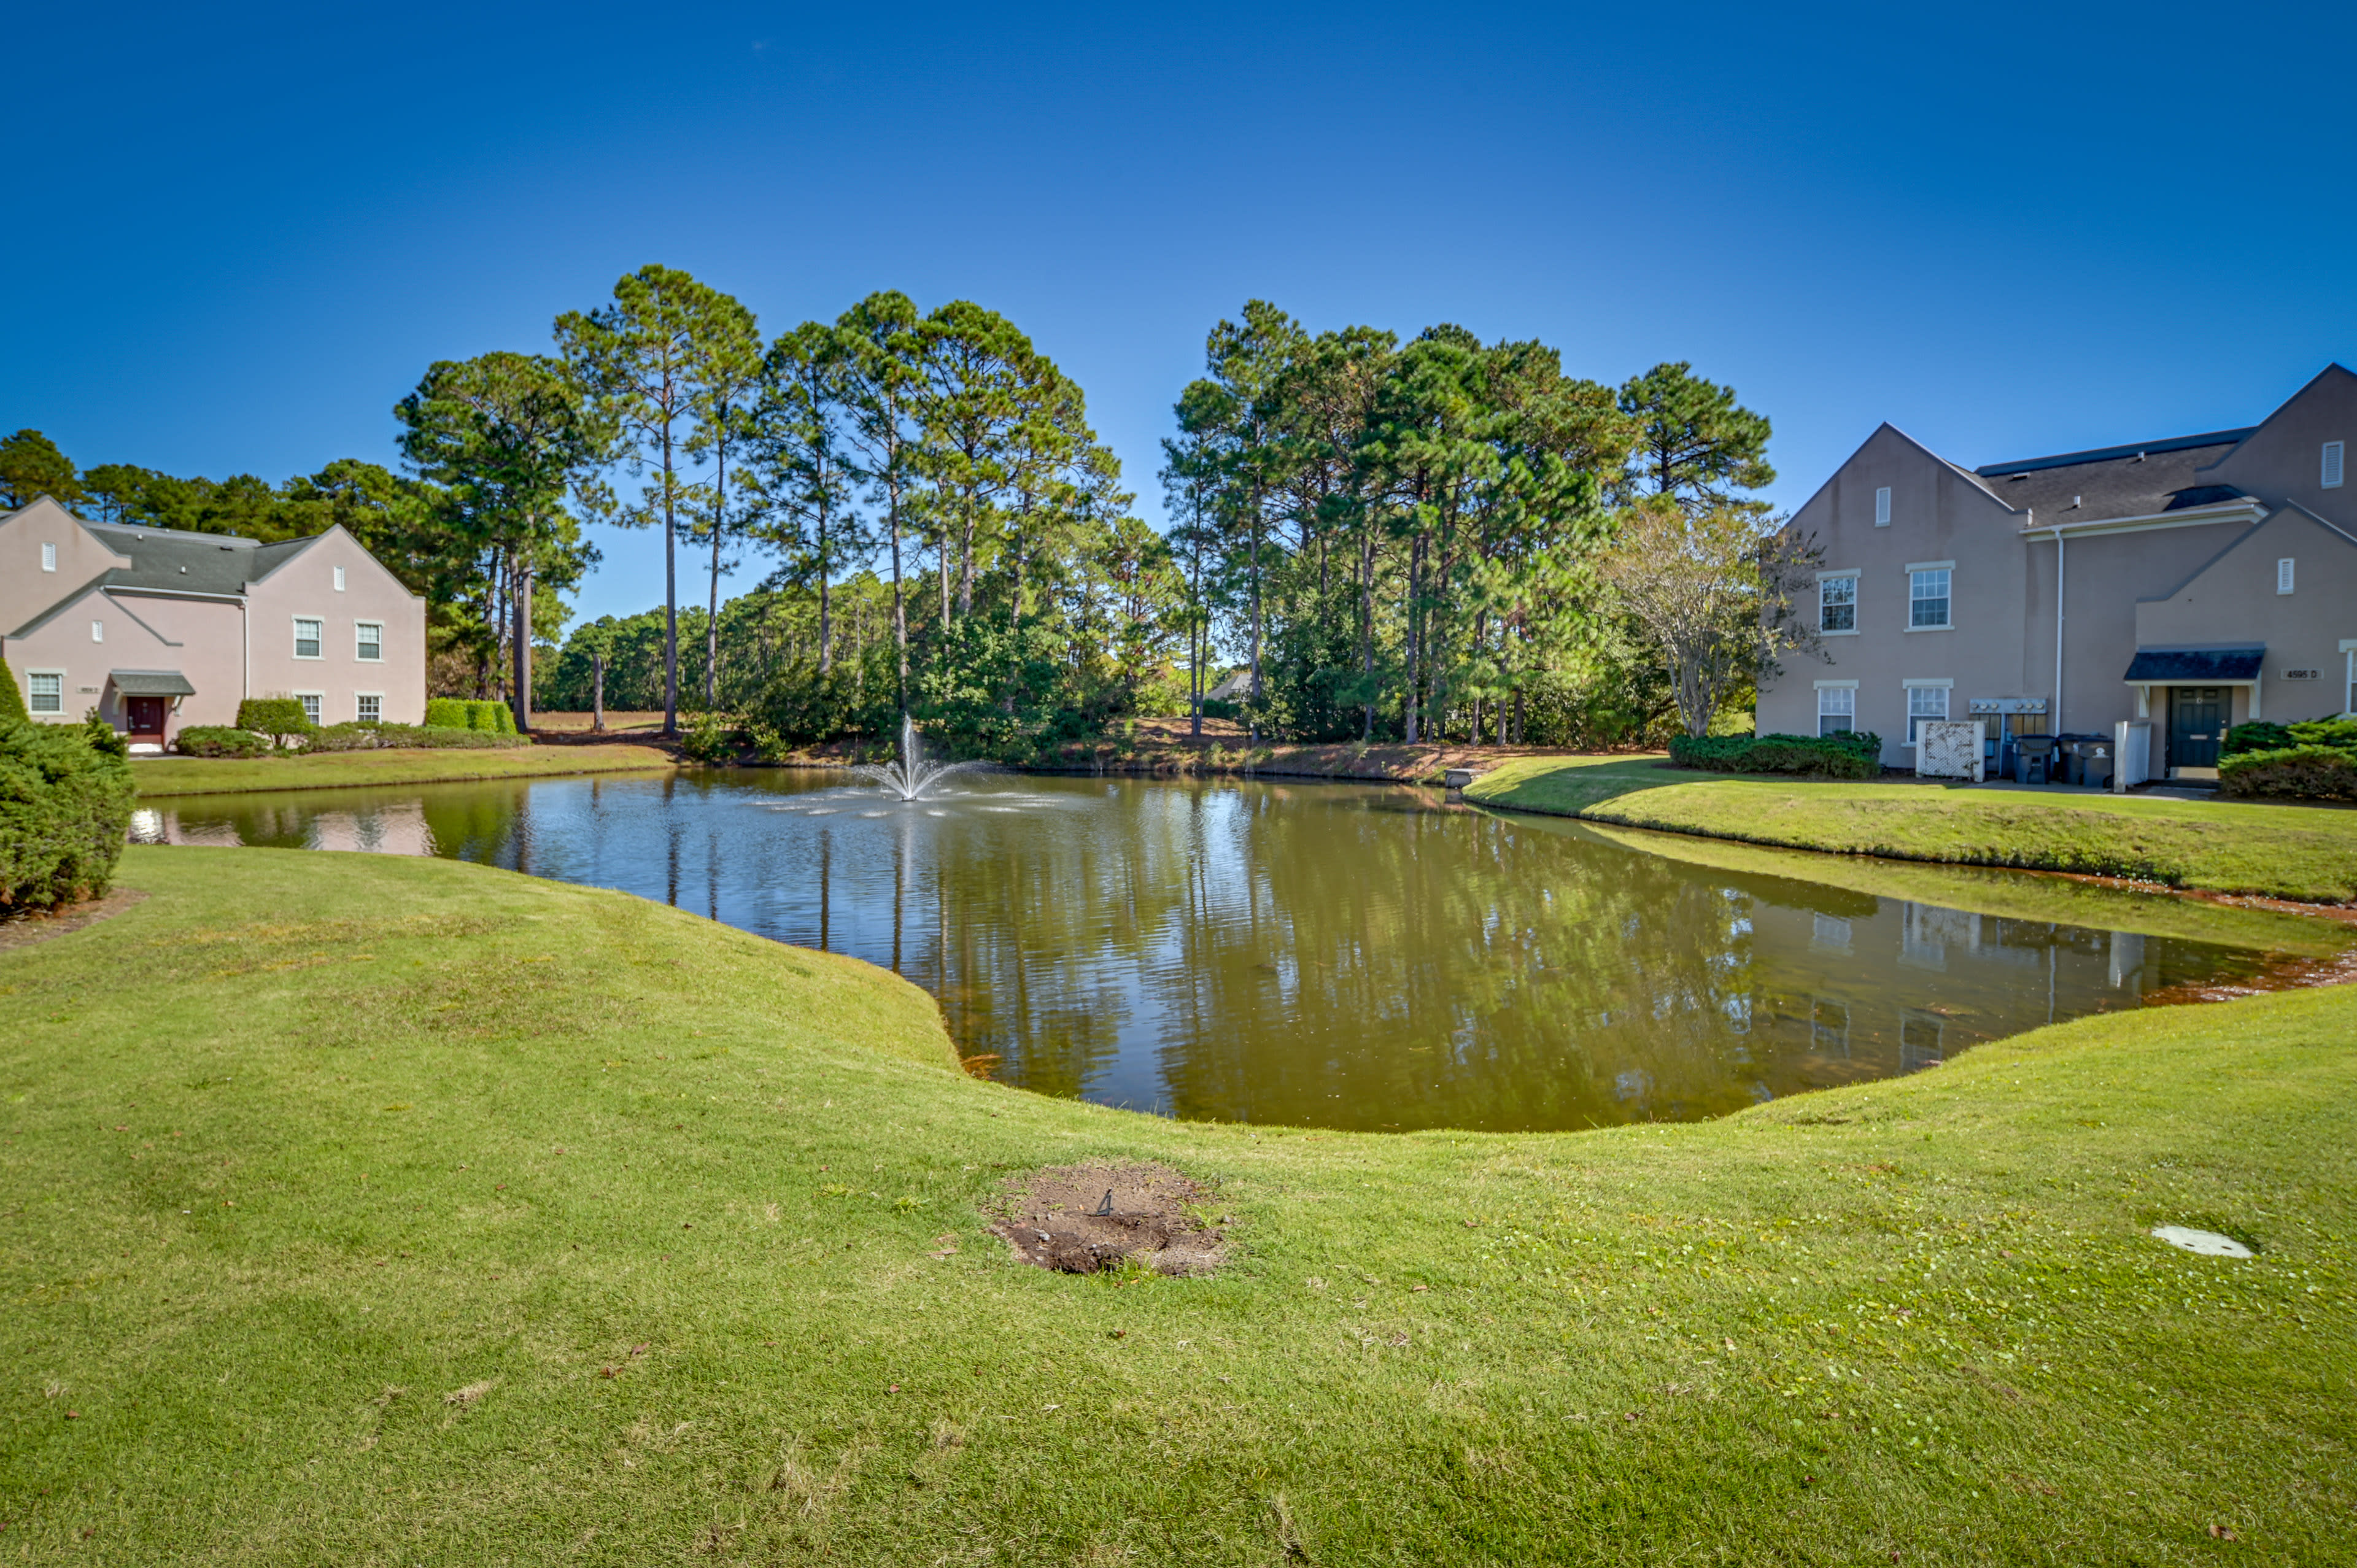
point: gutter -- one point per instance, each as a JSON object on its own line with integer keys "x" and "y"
{"x": 2242, "y": 512}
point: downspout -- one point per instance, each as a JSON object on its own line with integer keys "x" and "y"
{"x": 2058, "y": 628}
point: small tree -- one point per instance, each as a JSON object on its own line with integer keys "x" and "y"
{"x": 1715, "y": 593}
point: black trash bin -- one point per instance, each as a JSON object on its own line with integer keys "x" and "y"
{"x": 2033, "y": 760}
{"x": 2091, "y": 761}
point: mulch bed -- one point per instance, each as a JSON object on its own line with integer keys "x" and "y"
{"x": 40, "y": 925}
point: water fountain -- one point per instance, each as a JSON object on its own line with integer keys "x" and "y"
{"x": 909, "y": 776}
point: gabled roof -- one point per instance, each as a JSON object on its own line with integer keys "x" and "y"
{"x": 2325, "y": 374}
{"x": 2289, "y": 509}
{"x": 1959, "y": 472}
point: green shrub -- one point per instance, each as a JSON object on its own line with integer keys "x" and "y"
{"x": 446, "y": 713}
{"x": 281, "y": 718}
{"x": 1221, "y": 708}
{"x": 710, "y": 737}
{"x": 1851, "y": 755}
{"x": 343, "y": 737}
{"x": 2259, "y": 736}
{"x": 11, "y": 700}
{"x": 103, "y": 736}
{"x": 447, "y": 739}
{"x": 2291, "y": 773}
{"x": 65, "y": 806}
{"x": 2338, "y": 732}
{"x": 219, "y": 740}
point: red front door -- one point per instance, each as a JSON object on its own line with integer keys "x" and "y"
{"x": 146, "y": 717}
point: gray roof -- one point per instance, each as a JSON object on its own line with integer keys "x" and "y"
{"x": 167, "y": 560}
{"x": 2117, "y": 481}
{"x": 150, "y": 684}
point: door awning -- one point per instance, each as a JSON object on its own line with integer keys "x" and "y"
{"x": 2209, "y": 665}
{"x": 150, "y": 684}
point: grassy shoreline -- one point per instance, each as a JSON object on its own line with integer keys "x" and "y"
{"x": 164, "y": 777}
{"x": 367, "y": 1208}
{"x": 2304, "y": 853}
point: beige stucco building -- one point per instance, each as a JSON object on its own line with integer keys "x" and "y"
{"x": 158, "y": 629}
{"x": 2195, "y": 582}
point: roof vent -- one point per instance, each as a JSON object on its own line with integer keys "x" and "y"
{"x": 2075, "y": 500}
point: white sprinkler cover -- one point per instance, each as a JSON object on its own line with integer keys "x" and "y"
{"x": 2208, "y": 1243}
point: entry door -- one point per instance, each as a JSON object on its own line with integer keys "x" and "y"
{"x": 145, "y": 713}
{"x": 2197, "y": 720}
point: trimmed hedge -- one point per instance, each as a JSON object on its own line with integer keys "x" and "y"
{"x": 219, "y": 740}
{"x": 2268, "y": 736}
{"x": 2291, "y": 773}
{"x": 1853, "y": 755}
{"x": 65, "y": 809}
{"x": 281, "y": 718}
{"x": 376, "y": 737}
{"x": 480, "y": 715}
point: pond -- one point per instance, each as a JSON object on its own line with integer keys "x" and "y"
{"x": 1307, "y": 953}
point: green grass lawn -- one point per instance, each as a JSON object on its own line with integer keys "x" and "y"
{"x": 337, "y": 1186}
{"x": 2307, "y": 852}
{"x": 161, "y": 776}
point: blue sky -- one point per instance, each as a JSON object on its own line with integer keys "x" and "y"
{"x": 241, "y": 234}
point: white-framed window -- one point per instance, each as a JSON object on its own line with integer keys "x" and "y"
{"x": 98, "y": 631}
{"x": 311, "y": 702}
{"x": 1837, "y": 604}
{"x": 368, "y": 707}
{"x": 367, "y": 640}
{"x": 48, "y": 555}
{"x": 339, "y": 579}
{"x": 1927, "y": 598}
{"x": 1882, "y": 506}
{"x": 45, "y": 691}
{"x": 306, "y": 637}
{"x": 2334, "y": 452}
{"x": 1836, "y": 707}
{"x": 1924, "y": 701}
{"x": 2349, "y": 674}
{"x": 2283, "y": 574}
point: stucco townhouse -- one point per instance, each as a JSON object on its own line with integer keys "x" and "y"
{"x": 2195, "y": 583}
{"x": 158, "y": 629}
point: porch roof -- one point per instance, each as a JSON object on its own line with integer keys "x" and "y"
{"x": 2227, "y": 664}
{"x": 150, "y": 684}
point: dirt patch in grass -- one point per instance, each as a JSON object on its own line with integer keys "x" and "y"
{"x": 24, "y": 930}
{"x": 1082, "y": 1218}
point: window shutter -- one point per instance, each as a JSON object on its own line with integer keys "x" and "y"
{"x": 1882, "y": 506}
{"x": 2283, "y": 575}
{"x": 2333, "y": 451}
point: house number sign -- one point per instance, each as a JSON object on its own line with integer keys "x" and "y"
{"x": 2303, "y": 674}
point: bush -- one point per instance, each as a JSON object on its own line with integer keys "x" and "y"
{"x": 103, "y": 736}
{"x": 1221, "y": 708}
{"x": 281, "y": 718}
{"x": 219, "y": 740}
{"x": 2291, "y": 773}
{"x": 1852, "y": 755}
{"x": 11, "y": 700}
{"x": 446, "y": 713}
{"x": 65, "y": 808}
{"x": 2339, "y": 733}
{"x": 711, "y": 737}
{"x": 2252, "y": 738}
{"x": 374, "y": 738}
{"x": 342, "y": 737}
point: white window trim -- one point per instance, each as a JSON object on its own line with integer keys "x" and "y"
{"x": 322, "y": 696}
{"x": 2286, "y": 573}
{"x": 1882, "y": 506}
{"x": 1927, "y": 683}
{"x": 339, "y": 579}
{"x": 39, "y": 717}
{"x": 1824, "y": 577}
{"x": 358, "y": 642}
{"x": 1838, "y": 685}
{"x": 1915, "y": 566}
{"x": 2332, "y": 465}
{"x": 356, "y": 706}
{"x": 48, "y": 555}
{"x": 2349, "y": 674}
{"x": 97, "y": 630}
{"x": 294, "y": 638}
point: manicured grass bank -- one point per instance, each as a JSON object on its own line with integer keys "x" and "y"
{"x": 162, "y": 775}
{"x": 370, "y": 1210}
{"x": 2307, "y": 852}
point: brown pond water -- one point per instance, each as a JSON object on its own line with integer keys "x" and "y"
{"x": 1338, "y": 955}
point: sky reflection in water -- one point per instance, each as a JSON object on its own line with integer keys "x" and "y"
{"x": 1309, "y": 953}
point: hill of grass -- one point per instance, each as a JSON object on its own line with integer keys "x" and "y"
{"x": 373, "y": 1211}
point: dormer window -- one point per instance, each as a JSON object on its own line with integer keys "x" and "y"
{"x": 2333, "y": 452}
{"x": 1882, "y": 506}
